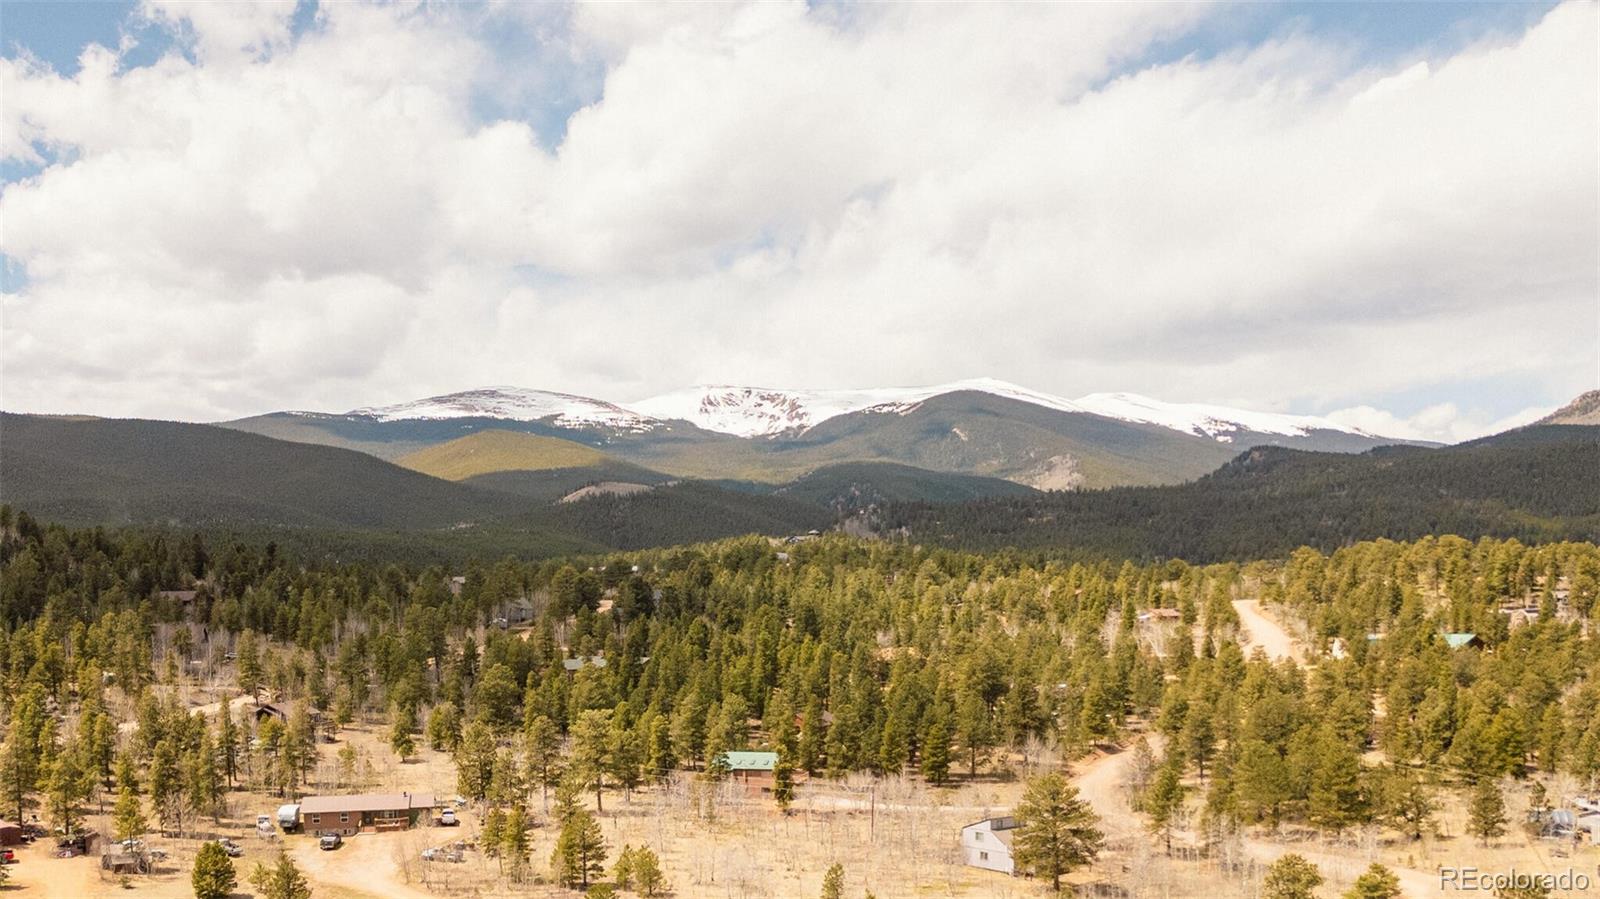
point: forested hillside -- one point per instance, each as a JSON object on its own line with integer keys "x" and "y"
{"x": 1535, "y": 484}
{"x": 851, "y": 655}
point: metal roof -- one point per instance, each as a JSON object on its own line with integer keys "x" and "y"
{"x": 751, "y": 761}
{"x": 366, "y": 802}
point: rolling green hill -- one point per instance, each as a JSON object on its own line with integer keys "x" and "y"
{"x": 116, "y": 471}
{"x": 199, "y": 477}
{"x": 1535, "y": 484}
{"x": 849, "y": 486}
{"x": 488, "y": 452}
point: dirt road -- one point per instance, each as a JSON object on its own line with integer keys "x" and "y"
{"x": 1261, "y": 631}
{"x": 1100, "y": 783}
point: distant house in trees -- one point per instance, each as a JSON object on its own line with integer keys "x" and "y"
{"x": 456, "y": 583}
{"x": 281, "y": 711}
{"x": 1160, "y": 615}
{"x": 181, "y": 597}
{"x": 519, "y": 610}
{"x": 572, "y": 665}
{"x": 1461, "y": 641}
{"x": 987, "y": 844}
{"x": 753, "y": 769}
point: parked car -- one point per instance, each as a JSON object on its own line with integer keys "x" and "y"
{"x": 447, "y": 818}
{"x": 264, "y": 824}
{"x": 330, "y": 841}
{"x": 233, "y": 849}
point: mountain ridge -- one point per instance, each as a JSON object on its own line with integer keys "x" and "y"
{"x": 984, "y": 427}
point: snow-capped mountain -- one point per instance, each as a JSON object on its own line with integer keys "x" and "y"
{"x": 1220, "y": 423}
{"x": 761, "y": 412}
{"x": 515, "y": 404}
{"x": 765, "y": 412}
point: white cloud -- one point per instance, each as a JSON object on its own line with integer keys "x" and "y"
{"x": 1440, "y": 423}
{"x": 773, "y": 194}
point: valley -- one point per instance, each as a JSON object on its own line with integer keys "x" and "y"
{"x": 905, "y": 693}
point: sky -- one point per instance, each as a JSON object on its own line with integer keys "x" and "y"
{"x": 1383, "y": 213}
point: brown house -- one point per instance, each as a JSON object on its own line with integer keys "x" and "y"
{"x": 369, "y": 812}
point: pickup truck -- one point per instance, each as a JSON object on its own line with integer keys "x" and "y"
{"x": 330, "y": 841}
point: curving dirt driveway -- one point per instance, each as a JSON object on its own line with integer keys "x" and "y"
{"x": 1261, "y": 631}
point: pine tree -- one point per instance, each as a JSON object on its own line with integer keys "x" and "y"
{"x": 1378, "y": 882}
{"x": 622, "y": 871}
{"x": 514, "y": 838}
{"x": 475, "y": 761}
{"x": 166, "y": 785}
{"x": 626, "y": 756}
{"x": 662, "y": 756}
{"x": 228, "y": 744}
{"x": 833, "y": 882}
{"x": 127, "y": 816}
{"x": 1406, "y": 802}
{"x": 1486, "y": 816}
{"x": 400, "y": 739}
{"x": 64, "y": 790}
{"x": 974, "y": 731}
{"x": 494, "y": 825}
{"x": 648, "y": 878}
{"x": 1291, "y": 877}
{"x": 542, "y": 742}
{"x": 580, "y": 852}
{"x": 282, "y": 880}
{"x": 1163, "y": 802}
{"x": 21, "y": 761}
{"x": 1057, "y": 831}
{"x": 936, "y": 752}
{"x": 1261, "y": 783}
{"x": 1338, "y": 799}
{"x": 214, "y": 876}
{"x": 444, "y": 727}
{"x": 202, "y": 778}
{"x": 783, "y": 783}
{"x": 591, "y": 751}
{"x": 249, "y": 664}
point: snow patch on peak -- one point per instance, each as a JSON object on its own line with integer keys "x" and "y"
{"x": 765, "y": 411}
{"x": 516, "y": 404}
{"x": 1220, "y": 423}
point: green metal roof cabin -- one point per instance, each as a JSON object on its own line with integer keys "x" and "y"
{"x": 1460, "y": 641}
{"x": 751, "y": 761}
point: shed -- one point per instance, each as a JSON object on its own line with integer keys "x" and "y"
{"x": 370, "y": 812}
{"x": 986, "y": 844}
{"x": 10, "y": 833}
{"x": 1589, "y": 822}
